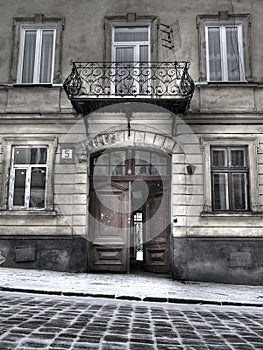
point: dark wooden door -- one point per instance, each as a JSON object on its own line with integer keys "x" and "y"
{"x": 109, "y": 227}
{"x": 156, "y": 229}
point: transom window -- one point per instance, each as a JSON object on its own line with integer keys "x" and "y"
{"x": 36, "y": 56}
{"x": 28, "y": 177}
{"x": 224, "y": 53}
{"x": 229, "y": 168}
{"x": 130, "y": 162}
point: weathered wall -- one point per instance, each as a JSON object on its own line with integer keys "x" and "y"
{"x": 202, "y": 244}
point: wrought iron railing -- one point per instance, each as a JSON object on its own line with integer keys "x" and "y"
{"x": 129, "y": 79}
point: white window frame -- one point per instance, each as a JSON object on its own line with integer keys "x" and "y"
{"x": 37, "y": 61}
{"x": 135, "y": 44}
{"x": 27, "y": 168}
{"x": 252, "y": 145}
{"x": 8, "y": 142}
{"x": 223, "y": 52}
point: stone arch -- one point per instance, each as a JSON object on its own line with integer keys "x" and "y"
{"x": 134, "y": 137}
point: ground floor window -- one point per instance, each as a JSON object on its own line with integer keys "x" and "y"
{"x": 230, "y": 173}
{"x": 28, "y": 177}
{"x": 28, "y": 173}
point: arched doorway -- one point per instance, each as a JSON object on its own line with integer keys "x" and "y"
{"x": 129, "y": 210}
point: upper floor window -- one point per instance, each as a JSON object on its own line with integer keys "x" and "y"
{"x": 131, "y": 53}
{"x": 28, "y": 177}
{"x": 131, "y": 44}
{"x": 224, "y": 53}
{"x": 224, "y": 42}
{"x": 36, "y": 55}
{"x": 229, "y": 167}
{"x": 37, "y": 50}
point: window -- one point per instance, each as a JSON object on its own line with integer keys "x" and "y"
{"x": 230, "y": 175}
{"x": 131, "y": 53}
{"x": 224, "y": 52}
{"x": 130, "y": 162}
{"x": 224, "y": 47}
{"x": 37, "y": 50}
{"x": 28, "y": 177}
{"x": 229, "y": 178}
{"x": 36, "y": 57}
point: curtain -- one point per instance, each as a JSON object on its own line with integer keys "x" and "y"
{"x": 238, "y": 157}
{"x": 239, "y": 194}
{"x": 46, "y": 56}
{"x": 220, "y": 191}
{"x": 128, "y": 34}
{"x": 233, "y": 66}
{"x": 215, "y": 68}
{"x": 29, "y": 56}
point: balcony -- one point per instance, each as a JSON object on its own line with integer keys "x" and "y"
{"x": 93, "y": 85}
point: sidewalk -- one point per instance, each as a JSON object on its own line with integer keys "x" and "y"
{"x": 142, "y": 286}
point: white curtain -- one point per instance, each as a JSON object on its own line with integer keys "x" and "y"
{"x": 215, "y": 68}
{"x": 233, "y": 65}
{"x": 46, "y": 56}
{"x": 29, "y": 56}
{"x": 239, "y": 194}
{"x": 128, "y": 34}
{"x": 220, "y": 191}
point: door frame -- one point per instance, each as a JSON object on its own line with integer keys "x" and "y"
{"x": 128, "y": 179}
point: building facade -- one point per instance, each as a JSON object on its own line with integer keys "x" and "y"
{"x": 131, "y": 137}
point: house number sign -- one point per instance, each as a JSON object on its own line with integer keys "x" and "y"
{"x": 67, "y": 154}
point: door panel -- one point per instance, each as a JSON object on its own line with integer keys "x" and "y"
{"x": 156, "y": 235}
{"x": 109, "y": 227}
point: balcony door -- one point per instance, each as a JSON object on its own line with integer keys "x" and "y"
{"x": 131, "y": 55}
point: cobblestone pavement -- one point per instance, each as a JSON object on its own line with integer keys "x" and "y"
{"x": 30, "y": 322}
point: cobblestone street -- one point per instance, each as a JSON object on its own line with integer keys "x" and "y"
{"x": 34, "y": 322}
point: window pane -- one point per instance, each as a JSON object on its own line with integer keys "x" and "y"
{"x": 128, "y": 34}
{"x": 117, "y": 161}
{"x": 219, "y": 157}
{"x": 19, "y": 187}
{"x": 158, "y": 170}
{"x": 117, "y": 158}
{"x": 238, "y": 158}
{"x": 38, "y": 186}
{"x": 22, "y": 155}
{"x": 144, "y": 70}
{"x": 144, "y": 53}
{"x": 142, "y": 163}
{"x": 215, "y": 68}
{"x": 117, "y": 170}
{"x": 220, "y": 192}
{"x": 101, "y": 164}
{"x": 46, "y": 56}
{"x": 157, "y": 159}
{"x": 29, "y": 56}
{"x": 38, "y": 155}
{"x": 124, "y": 72}
{"x": 239, "y": 191}
{"x": 233, "y": 59}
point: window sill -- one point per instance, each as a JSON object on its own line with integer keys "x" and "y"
{"x": 28, "y": 213}
{"x": 28, "y": 85}
{"x": 219, "y": 84}
{"x": 258, "y": 214}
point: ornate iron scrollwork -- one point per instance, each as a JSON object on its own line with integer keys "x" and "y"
{"x": 129, "y": 79}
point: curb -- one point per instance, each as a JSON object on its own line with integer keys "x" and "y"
{"x": 133, "y": 298}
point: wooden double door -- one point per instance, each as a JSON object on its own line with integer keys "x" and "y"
{"x": 111, "y": 225}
